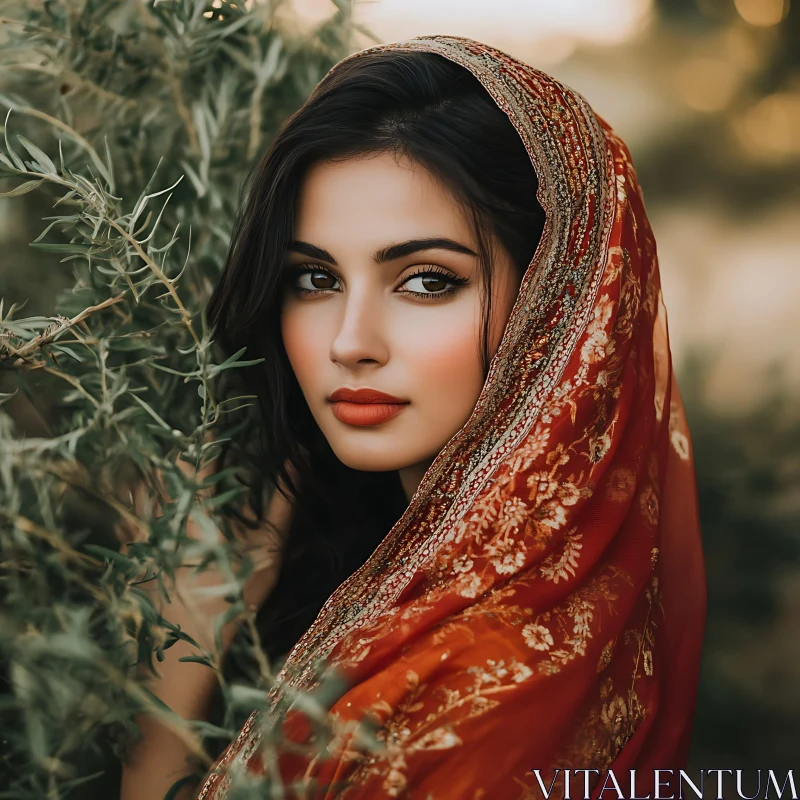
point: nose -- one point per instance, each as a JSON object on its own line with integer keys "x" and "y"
{"x": 360, "y": 337}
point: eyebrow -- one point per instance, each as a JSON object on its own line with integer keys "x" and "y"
{"x": 385, "y": 254}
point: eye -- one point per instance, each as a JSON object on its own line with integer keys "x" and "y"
{"x": 309, "y": 279}
{"x": 433, "y": 284}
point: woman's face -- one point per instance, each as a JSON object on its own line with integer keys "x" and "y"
{"x": 388, "y": 298}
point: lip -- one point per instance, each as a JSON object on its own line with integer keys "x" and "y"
{"x": 365, "y": 407}
{"x": 364, "y": 396}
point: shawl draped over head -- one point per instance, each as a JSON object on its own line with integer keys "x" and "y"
{"x": 540, "y": 605}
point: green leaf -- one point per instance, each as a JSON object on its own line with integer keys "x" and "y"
{"x": 204, "y": 660}
{"x": 15, "y": 159}
{"x": 23, "y": 188}
{"x": 109, "y": 555}
{"x": 232, "y": 361}
{"x": 220, "y": 499}
{"x": 149, "y": 409}
{"x": 62, "y": 248}
{"x": 221, "y": 620}
{"x": 62, "y": 348}
{"x": 41, "y": 158}
{"x": 237, "y": 25}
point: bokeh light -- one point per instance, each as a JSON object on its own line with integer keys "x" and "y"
{"x": 770, "y": 130}
{"x": 708, "y": 83}
{"x": 763, "y": 13}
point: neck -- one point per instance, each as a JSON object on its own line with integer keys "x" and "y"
{"x": 410, "y": 477}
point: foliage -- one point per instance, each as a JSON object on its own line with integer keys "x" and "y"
{"x": 139, "y": 119}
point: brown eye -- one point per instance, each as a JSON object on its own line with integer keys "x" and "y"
{"x": 321, "y": 280}
{"x": 314, "y": 280}
{"x": 432, "y": 284}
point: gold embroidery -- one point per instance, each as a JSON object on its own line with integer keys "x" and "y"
{"x": 605, "y": 655}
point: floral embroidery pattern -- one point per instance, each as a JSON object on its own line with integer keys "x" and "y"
{"x": 677, "y": 434}
{"x": 537, "y": 636}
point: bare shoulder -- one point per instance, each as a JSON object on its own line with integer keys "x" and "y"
{"x": 263, "y": 539}
{"x": 262, "y": 536}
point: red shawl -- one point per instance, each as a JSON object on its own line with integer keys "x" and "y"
{"x": 541, "y": 603}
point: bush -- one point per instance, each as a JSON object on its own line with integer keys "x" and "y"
{"x": 140, "y": 119}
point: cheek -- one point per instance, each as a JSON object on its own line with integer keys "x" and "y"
{"x": 444, "y": 351}
{"x": 303, "y": 342}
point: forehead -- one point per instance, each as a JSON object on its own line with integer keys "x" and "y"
{"x": 375, "y": 199}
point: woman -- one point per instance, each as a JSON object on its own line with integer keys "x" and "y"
{"x": 513, "y": 531}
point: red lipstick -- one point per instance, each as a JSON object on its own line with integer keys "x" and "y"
{"x": 363, "y": 407}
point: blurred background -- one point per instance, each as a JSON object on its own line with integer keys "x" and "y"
{"x": 706, "y": 93}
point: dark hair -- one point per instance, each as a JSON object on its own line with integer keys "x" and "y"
{"x": 428, "y": 109}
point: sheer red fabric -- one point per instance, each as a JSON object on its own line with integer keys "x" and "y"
{"x": 541, "y": 603}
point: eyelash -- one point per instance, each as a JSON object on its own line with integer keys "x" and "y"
{"x": 455, "y": 280}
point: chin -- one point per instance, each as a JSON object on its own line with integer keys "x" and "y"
{"x": 383, "y": 454}
{"x": 369, "y": 462}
